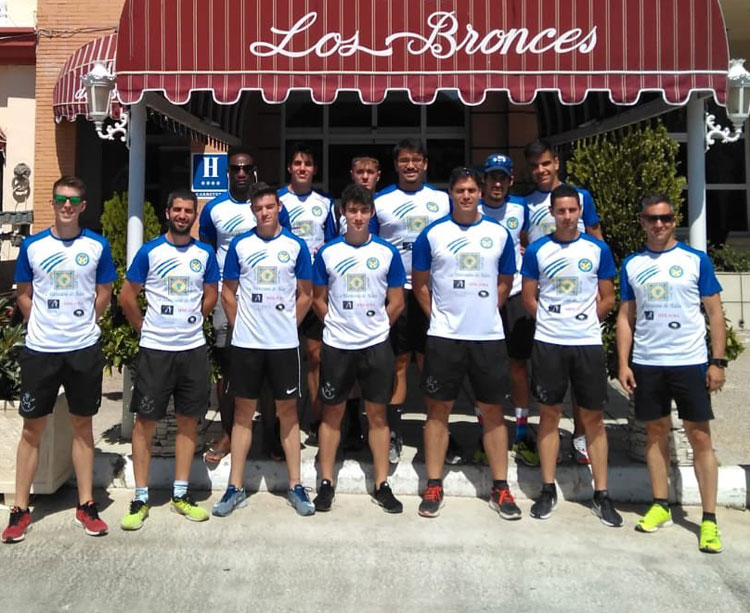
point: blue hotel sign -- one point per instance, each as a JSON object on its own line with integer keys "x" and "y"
{"x": 209, "y": 174}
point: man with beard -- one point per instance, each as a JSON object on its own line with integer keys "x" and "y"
{"x": 180, "y": 276}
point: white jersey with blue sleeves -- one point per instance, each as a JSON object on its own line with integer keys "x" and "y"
{"x": 667, "y": 287}
{"x": 312, "y": 217}
{"x": 223, "y": 218}
{"x": 464, "y": 263}
{"x": 400, "y": 216}
{"x": 64, "y": 275}
{"x": 541, "y": 222}
{"x": 267, "y": 271}
{"x": 358, "y": 278}
{"x": 568, "y": 274}
{"x": 173, "y": 277}
{"x": 513, "y": 215}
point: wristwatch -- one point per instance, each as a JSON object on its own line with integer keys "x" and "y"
{"x": 720, "y": 362}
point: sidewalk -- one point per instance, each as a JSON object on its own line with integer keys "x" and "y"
{"x": 628, "y": 479}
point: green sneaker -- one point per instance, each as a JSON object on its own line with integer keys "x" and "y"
{"x": 185, "y": 505}
{"x": 134, "y": 518}
{"x": 526, "y": 452}
{"x": 710, "y": 537}
{"x": 656, "y": 517}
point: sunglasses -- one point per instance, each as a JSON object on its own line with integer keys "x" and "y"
{"x": 60, "y": 200}
{"x": 248, "y": 168}
{"x": 665, "y": 219}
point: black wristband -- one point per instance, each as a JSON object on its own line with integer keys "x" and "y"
{"x": 720, "y": 362}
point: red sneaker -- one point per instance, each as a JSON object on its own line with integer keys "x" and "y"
{"x": 17, "y": 525}
{"x": 432, "y": 501}
{"x": 88, "y": 518}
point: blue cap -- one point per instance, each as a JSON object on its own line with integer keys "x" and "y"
{"x": 499, "y": 162}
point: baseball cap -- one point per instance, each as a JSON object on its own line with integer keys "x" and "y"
{"x": 499, "y": 162}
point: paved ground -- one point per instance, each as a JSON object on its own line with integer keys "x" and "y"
{"x": 266, "y": 558}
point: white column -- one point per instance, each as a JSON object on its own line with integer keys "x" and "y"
{"x": 696, "y": 129}
{"x": 136, "y": 198}
{"x": 136, "y": 177}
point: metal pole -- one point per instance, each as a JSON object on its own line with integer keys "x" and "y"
{"x": 136, "y": 178}
{"x": 696, "y": 129}
{"x": 136, "y": 198}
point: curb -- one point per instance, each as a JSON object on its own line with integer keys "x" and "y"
{"x": 627, "y": 483}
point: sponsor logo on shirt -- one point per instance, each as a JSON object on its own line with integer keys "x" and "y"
{"x": 78, "y": 312}
{"x": 178, "y": 286}
{"x": 373, "y": 263}
{"x": 676, "y": 271}
{"x": 303, "y": 229}
{"x": 167, "y": 309}
{"x": 348, "y": 305}
{"x": 483, "y": 293}
{"x": 417, "y": 223}
{"x": 566, "y": 286}
{"x": 459, "y": 284}
{"x": 675, "y": 325}
{"x": 657, "y": 292}
{"x": 468, "y": 261}
{"x": 82, "y": 259}
{"x": 257, "y": 298}
{"x": 486, "y": 242}
{"x": 64, "y": 279}
{"x": 585, "y": 265}
{"x": 649, "y": 315}
{"x": 356, "y": 283}
{"x": 266, "y": 275}
{"x": 53, "y": 304}
{"x": 196, "y": 265}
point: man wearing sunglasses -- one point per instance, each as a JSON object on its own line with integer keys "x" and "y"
{"x": 64, "y": 276}
{"x": 662, "y": 289}
{"x": 223, "y": 218}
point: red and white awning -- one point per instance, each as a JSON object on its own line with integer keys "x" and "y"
{"x": 522, "y": 47}
{"x": 69, "y": 96}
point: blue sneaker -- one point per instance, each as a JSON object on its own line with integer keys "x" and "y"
{"x": 231, "y": 500}
{"x": 299, "y": 499}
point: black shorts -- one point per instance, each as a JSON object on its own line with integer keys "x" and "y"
{"x": 519, "y": 328}
{"x": 656, "y": 386}
{"x": 311, "y": 327}
{"x": 409, "y": 332}
{"x": 448, "y": 361}
{"x": 42, "y": 374}
{"x": 584, "y": 366}
{"x": 162, "y": 374}
{"x": 251, "y": 367}
{"x": 371, "y": 367}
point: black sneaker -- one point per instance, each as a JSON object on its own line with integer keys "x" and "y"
{"x": 604, "y": 509}
{"x": 384, "y": 497}
{"x": 326, "y": 496}
{"x": 432, "y": 501}
{"x": 501, "y": 501}
{"x": 544, "y": 506}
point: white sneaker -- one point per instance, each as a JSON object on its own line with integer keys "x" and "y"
{"x": 580, "y": 451}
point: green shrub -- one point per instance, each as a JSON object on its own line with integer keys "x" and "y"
{"x": 619, "y": 170}
{"x": 119, "y": 341}
{"x": 11, "y": 341}
{"x": 729, "y": 259}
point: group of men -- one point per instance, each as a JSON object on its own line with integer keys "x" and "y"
{"x": 476, "y": 282}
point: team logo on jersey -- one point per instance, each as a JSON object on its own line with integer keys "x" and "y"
{"x": 373, "y": 263}
{"x": 417, "y": 223}
{"x": 356, "y": 283}
{"x": 303, "y": 229}
{"x": 585, "y": 265}
{"x": 433, "y": 207}
{"x": 196, "y": 265}
{"x": 82, "y": 259}
{"x": 177, "y": 286}
{"x": 468, "y": 261}
{"x": 676, "y": 271}
{"x": 284, "y": 257}
{"x": 486, "y": 242}
{"x": 512, "y": 223}
{"x": 266, "y": 275}
{"x": 657, "y": 292}
{"x": 317, "y": 211}
{"x": 64, "y": 279}
{"x": 566, "y": 286}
